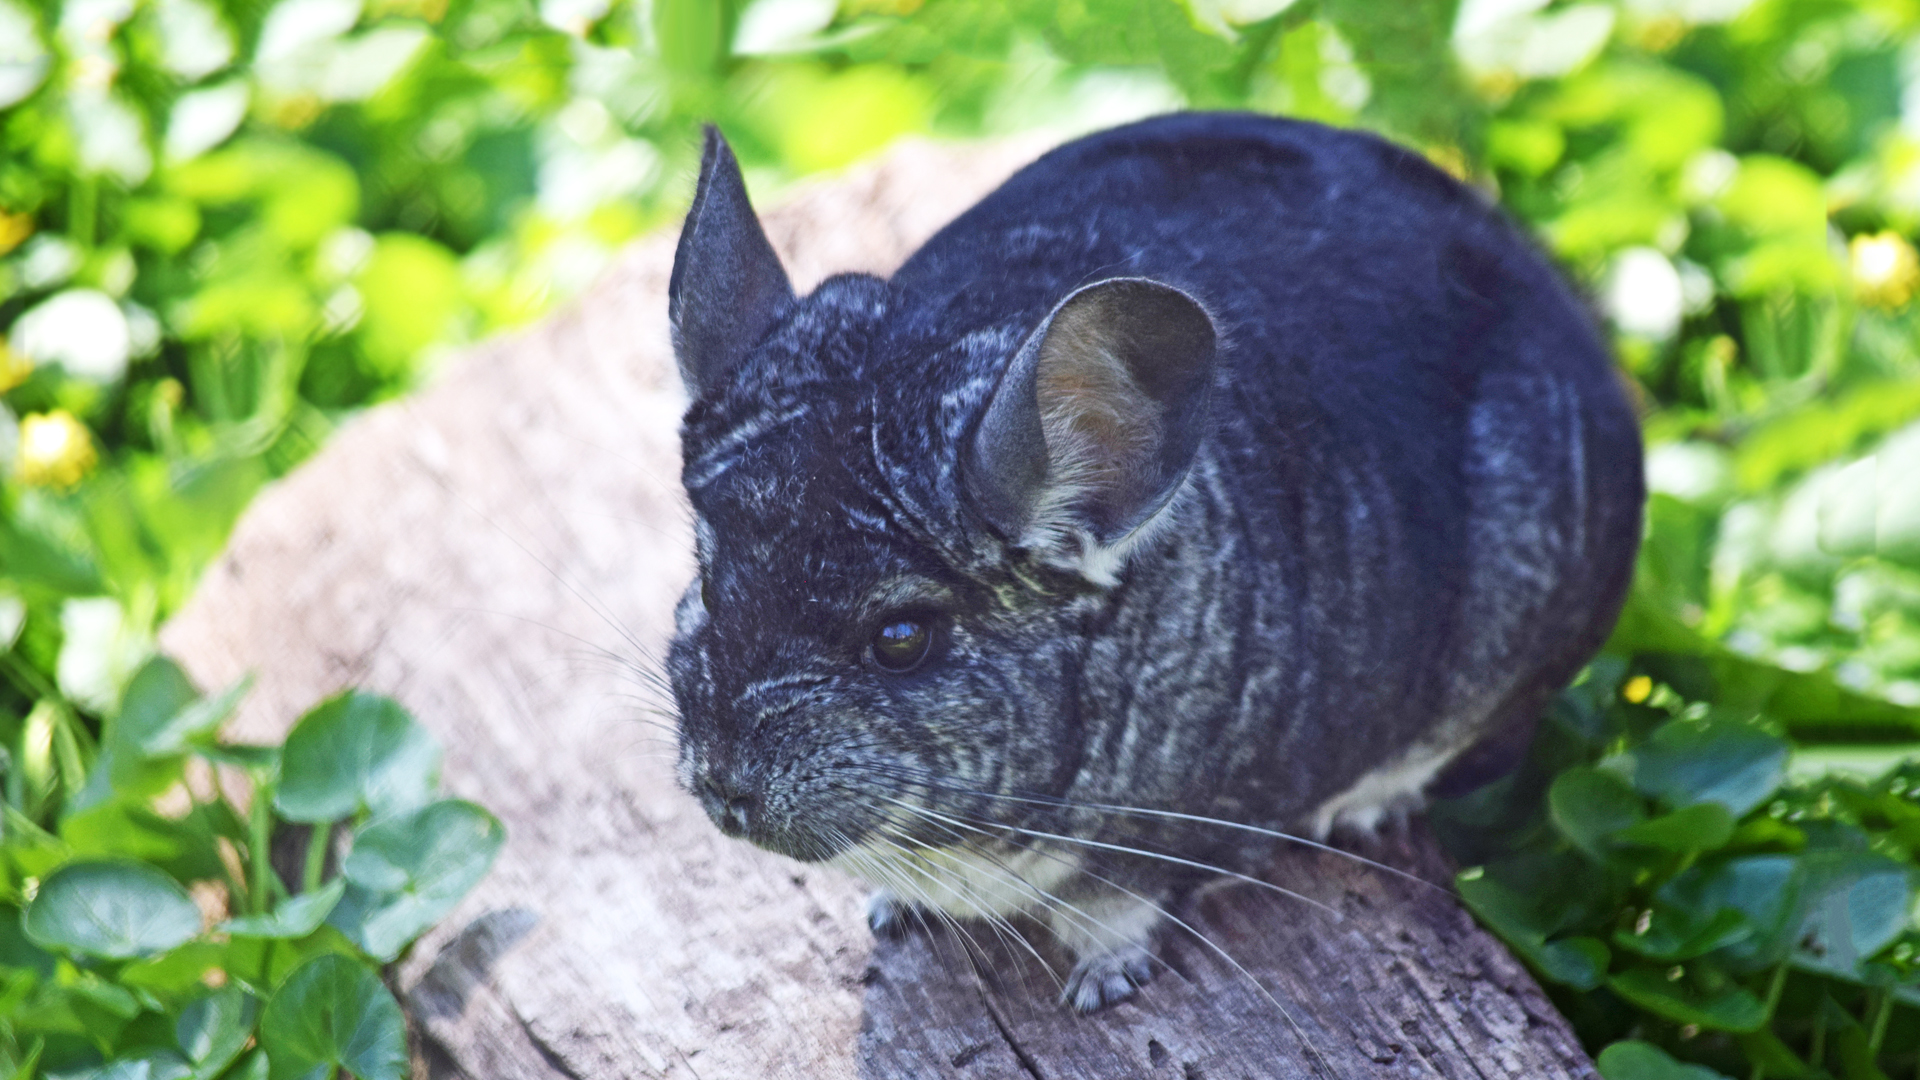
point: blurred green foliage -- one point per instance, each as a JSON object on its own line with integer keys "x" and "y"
{"x": 226, "y": 224}
{"x": 146, "y": 928}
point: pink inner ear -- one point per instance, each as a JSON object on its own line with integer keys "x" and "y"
{"x": 1102, "y": 430}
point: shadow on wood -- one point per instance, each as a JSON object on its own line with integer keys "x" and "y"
{"x": 502, "y": 553}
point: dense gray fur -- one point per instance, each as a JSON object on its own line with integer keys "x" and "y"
{"x": 1370, "y": 494}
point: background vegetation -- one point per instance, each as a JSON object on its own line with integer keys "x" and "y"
{"x": 226, "y": 224}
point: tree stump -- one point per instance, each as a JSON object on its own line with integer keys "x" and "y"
{"x": 502, "y": 552}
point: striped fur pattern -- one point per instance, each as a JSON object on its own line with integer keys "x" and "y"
{"x": 1408, "y": 515}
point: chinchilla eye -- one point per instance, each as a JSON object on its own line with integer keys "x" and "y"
{"x": 900, "y": 645}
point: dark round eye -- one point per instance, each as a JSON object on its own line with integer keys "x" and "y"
{"x": 901, "y": 645}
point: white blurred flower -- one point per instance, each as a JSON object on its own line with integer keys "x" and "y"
{"x": 575, "y": 17}
{"x": 101, "y": 651}
{"x": 296, "y": 26}
{"x": 194, "y": 43}
{"x": 1708, "y": 174}
{"x": 1221, "y": 16}
{"x": 576, "y": 179}
{"x": 1508, "y": 35}
{"x": 1696, "y": 286}
{"x": 47, "y": 260}
{"x": 1644, "y": 294}
{"x": 357, "y": 68}
{"x": 202, "y": 119}
{"x": 345, "y": 250}
{"x": 13, "y": 616}
{"x": 93, "y": 20}
{"x": 110, "y": 136}
{"x": 1692, "y": 472}
{"x": 143, "y": 329}
{"x": 1692, "y": 11}
{"x": 83, "y": 330}
{"x": 9, "y": 438}
{"x": 24, "y": 60}
{"x": 775, "y": 26}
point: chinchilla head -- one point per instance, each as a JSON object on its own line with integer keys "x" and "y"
{"x": 906, "y": 532}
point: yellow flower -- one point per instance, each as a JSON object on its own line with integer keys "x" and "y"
{"x": 14, "y": 368}
{"x": 14, "y": 228}
{"x": 1885, "y": 269}
{"x": 1637, "y": 689}
{"x": 55, "y": 449}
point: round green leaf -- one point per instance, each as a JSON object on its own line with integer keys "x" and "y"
{"x": 1730, "y": 1007}
{"x": 156, "y": 1066}
{"x": 1702, "y": 827}
{"x": 356, "y": 751}
{"x": 1589, "y": 805}
{"x": 333, "y": 1011}
{"x": 1734, "y": 765}
{"x": 1636, "y": 1060}
{"x": 295, "y": 917}
{"x": 118, "y": 910}
{"x": 408, "y": 872}
{"x": 214, "y": 1029}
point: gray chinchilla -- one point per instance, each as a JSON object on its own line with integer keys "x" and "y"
{"x": 1215, "y": 465}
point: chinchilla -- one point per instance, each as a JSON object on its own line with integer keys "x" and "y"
{"x": 1215, "y": 466}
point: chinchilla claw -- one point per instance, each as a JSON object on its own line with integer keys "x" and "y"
{"x": 1107, "y": 979}
{"x": 891, "y": 918}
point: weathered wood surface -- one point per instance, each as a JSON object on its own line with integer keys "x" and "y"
{"x": 501, "y": 552}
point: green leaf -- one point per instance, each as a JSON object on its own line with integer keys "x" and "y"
{"x": 1677, "y": 933}
{"x": 196, "y": 723}
{"x": 178, "y": 972}
{"x": 295, "y": 917}
{"x": 408, "y": 872}
{"x": 214, "y": 1029}
{"x": 155, "y": 696}
{"x": 151, "y": 1066}
{"x": 1704, "y": 827}
{"x": 1727, "y": 1007}
{"x": 1589, "y": 805}
{"x": 1764, "y": 889}
{"x": 356, "y": 752}
{"x": 1857, "y": 905}
{"x": 333, "y": 1011}
{"x": 1735, "y": 765}
{"x": 1636, "y": 1060}
{"x": 118, "y": 910}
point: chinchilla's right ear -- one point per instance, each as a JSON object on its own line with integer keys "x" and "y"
{"x": 1095, "y": 423}
{"x": 727, "y": 283}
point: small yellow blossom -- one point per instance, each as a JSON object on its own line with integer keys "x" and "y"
{"x": 1637, "y": 689}
{"x": 1885, "y": 269}
{"x": 14, "y": 368}
{"x": 14, "y": 229}
{"x": 55, "y": 449}
{"x": 1450, "y": 159}
{"x": 430, "y": 10}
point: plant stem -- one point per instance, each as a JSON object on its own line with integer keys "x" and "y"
{"x": 1775, "y": 988}
{"x": 318, "y": 841}
{"x": 260, "y": 842}
{"x": 1877, "y": 1030}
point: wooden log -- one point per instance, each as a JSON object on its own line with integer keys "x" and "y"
{"x": 501, "y": 552}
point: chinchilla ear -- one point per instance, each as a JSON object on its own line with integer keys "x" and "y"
{"x": 727, "y": 283}
{"x": 1097, "y": 419}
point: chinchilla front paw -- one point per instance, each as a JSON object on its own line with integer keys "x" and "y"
{"x": 891, "y": 918}
{"x": 1107, "y": 978}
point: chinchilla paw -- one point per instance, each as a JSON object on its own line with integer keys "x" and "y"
{"x": 891, "y": 918}
{"x": 1107, "y": 978}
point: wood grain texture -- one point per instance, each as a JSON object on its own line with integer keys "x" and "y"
{"x": 501, "y": 552}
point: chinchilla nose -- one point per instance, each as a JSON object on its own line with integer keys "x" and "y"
{"x": 731, "y": 808}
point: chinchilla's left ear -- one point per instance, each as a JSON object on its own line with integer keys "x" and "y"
{"x": 727, "y": 285}
{"x": 1096, "y": 421}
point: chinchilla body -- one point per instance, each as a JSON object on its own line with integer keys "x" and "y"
{"x": 1214, "y": 466}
